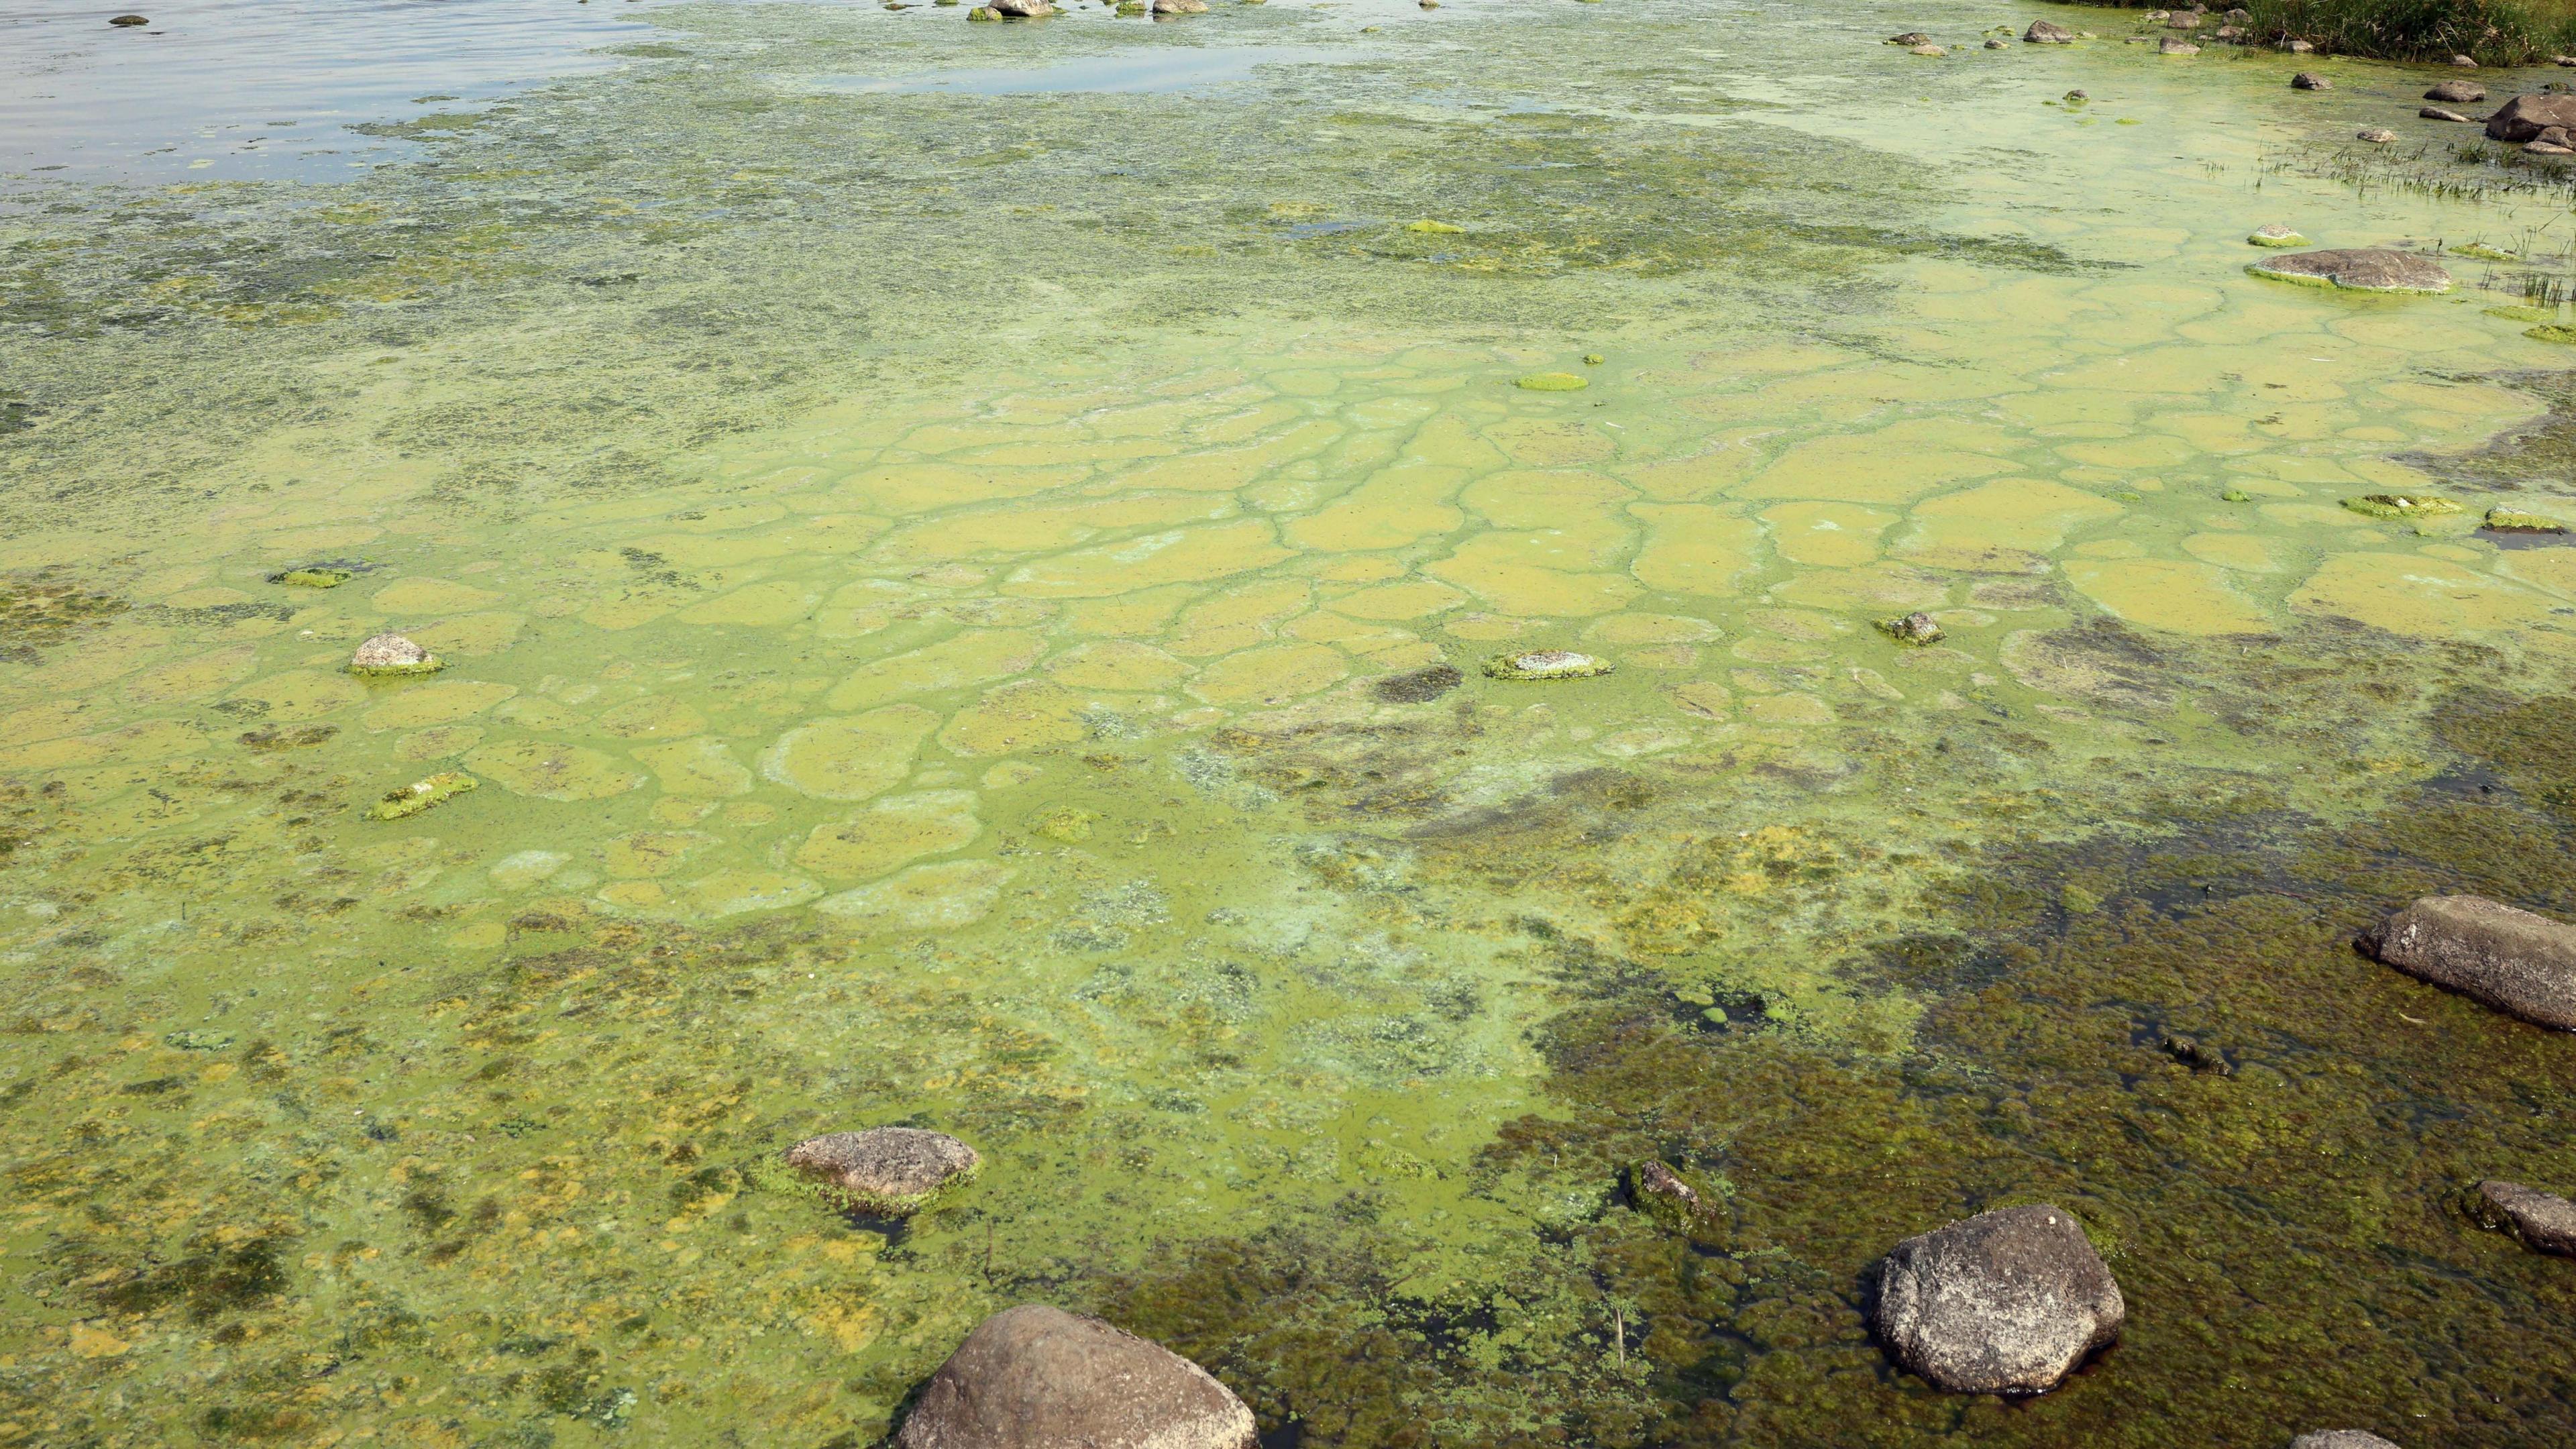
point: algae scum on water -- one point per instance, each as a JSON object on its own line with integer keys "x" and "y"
{"x": 1320, "y": 662}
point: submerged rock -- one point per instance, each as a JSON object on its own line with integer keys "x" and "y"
{"x": 127, "y": 20}
{"x": 1915, "y": 628}
{"x": 2308, "y": 80}
{"x": 2007, "y": 1302}
{"x": 2457, "y": 92}
{"x": 2275, "y": 235}
{"x": 419, "y": 795}
{"x": 2512, "y": 960}
{"x": 2359, "y": 269}
{"x": 1035, "y": 1377}
{"x": 314, "y": 576}
{"x": 2048, "y": 32}
{"x": 2524, "y": 117}
{"x": 1553, "y": 382}
{"x": 2340, "y": 1439}
{"x": 393, "y": 654}
{"x": 2544, "y": 1221}
{"x": 1419, "y": 686}
{"x": 1662, "y": 1195}
{"x": 888, "y": 1171}
{"x": 2514, "y": 520}
{"x": 2436, "y": 113}
{"x": 2402, "y": 505}
{"x": 2188, "y": 1051}
{"x": 1911, "y": 37}
{"x": 1545, "y": 664}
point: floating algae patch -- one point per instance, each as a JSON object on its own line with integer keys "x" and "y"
{"x": 979, "y": 628}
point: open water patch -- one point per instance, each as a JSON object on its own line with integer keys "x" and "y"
{"x": 1144, "y": 71}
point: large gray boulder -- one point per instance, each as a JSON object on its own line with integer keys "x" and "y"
{"x": 2359, "y": 269}
{"x": 2511, "y": 960}
{"x": 2007, "y": 1302}
{"x": 2340, "y": 1439}
{"x": 2544, "y": 1221}
{"x": 889, "y": 1171}
{"x": 1035, "y": 1377}
{"x": 2525, "y": 117}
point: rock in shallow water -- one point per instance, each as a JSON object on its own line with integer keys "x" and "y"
{"x": 2171, "y": 46}
{"x": 2458, "y": 93}
{"x": 1035, "y": 1377}
{"x": 2308, "y": 80}
{"x": 2514, "y": 961}
{"x": 2524, "y": 117}
{"x": 2275, "y": 235}
{"x": 1545, "y": 664}
{"x": 2545, "y": 1222}
{"x": 2436, "y": 113}
{"x": 889, "y": 1171}
{"x": 392, "y": 654}
{"x": 2361, "y": 269}
{"x": 1915, "y": 628}
{"x": 2044, "y": 32}
{"x": 2007, "y": 1302}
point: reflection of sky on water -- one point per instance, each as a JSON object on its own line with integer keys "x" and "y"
{"x": 267, "y": 88}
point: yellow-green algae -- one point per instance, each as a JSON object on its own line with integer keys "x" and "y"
{"x": 917, "y": 691}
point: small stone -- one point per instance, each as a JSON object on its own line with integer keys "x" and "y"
{"x": 2519, "y": 963}
{"x": 391, "y": 654}
{"x": 2231, "y": 32}
{"x": 2235, "y": 495}
{"x": 1661, "y": 1194}
{"x": 2376, "y": 135}
{"x": 2275, "y": 235}
{"x": 2240, "y": 17}
{"x": 1428, "y": 4}
{"x": 1593, "y": 359}
{"x": 1915, "y": 628}
{"x": 1911, "y": 37}
{"x": 1995, "y": 45}
{"x": 420, "y": 795}
{"x": 2297, "y": 47}
{"x": 2463, "y": 62}
{"x": 1934, "y": 51}
{"x": 2076, "y": 98}
{"x": 2047, "y": 32}
{"x": 2183, "y": 20}
{"x": 1021, "y": 9}
{"x": 313, "y": 576}
{"x": 2188, "y": 1051}
{"x": 2360, "y": 269}
{"x": 1180, "y": 7}
{"x": 2457, "y": 92}
{"x": 2308, "y": 80}
{"x": 1035, "y": 1377}
{"x": 2514, "y": 520}
{"x": 887, "y": 1171}
{"x": 127, "y": 20}
{"x": 2436, "y": 113}
{"x": 2007, "y": 1302}
{"x": 198, "y": 1041}
{"x": 1546, "y": 664}
{"x": 1418, "y": 686}
{"x": 2545, "y": 1222}
{"x": 1553, "y": 382}
{"x": 2340, "y": 1439}
{"x": 982, "y": 13}
{"x": 2171, "y": 46}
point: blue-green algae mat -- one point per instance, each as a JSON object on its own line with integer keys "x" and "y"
{"x": 944, "y": 541}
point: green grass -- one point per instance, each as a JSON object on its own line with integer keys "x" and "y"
{"x": 2491, "y": 32}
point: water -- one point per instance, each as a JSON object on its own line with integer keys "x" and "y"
{"x": 916, "y": 562}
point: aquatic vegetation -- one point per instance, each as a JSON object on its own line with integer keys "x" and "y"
{"x": 2402, "y": 505}
{"x": 1553, "y": 382}
{"x": 421, "y": 795}
{"x": 2515, "y": 520}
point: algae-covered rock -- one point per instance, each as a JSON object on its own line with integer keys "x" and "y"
{"x": 1435, "y": 228}
{"x": 2514, "y": 520}
{"x": 2512, "y": 960}
{"x": 2544, "y": 1221}
{"x": 1021, "y": 9}
{"x": 2341, "y": 1439}
{"x": 2355, "y": 269}
{"x": 1180, "y": 7}
{"x": 2275, "y": 235}
{"x": 2047, "y": 32}
{"x": 1553, "y": 382}
{"x": 2524, "y": 117}
{"x": 1418, "y": 686}
{"x": 1661, "y": 1195}
{"x": 1035, "y": 1377}
{"x": 1915, "y": 628}
{"x": 1545, "y": 664}
{"x": 1911, "y": 37}
{"x": 888, "y": 1171}
{"x": 2190, "y": 1052}
{"x": 2564, "y": 336}
{"x": 420, "y": 795}
{"x": 2375, "y": 135}
{"x": 982, "y": 13}
{"x": 2007, "y": 1302}
{"x": 393, "y": 655}
{"x": 2402, "y": 505}
{"x": 314, "y": 576}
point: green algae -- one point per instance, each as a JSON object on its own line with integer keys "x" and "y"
{"x": 1552, "y": 382}
{"x": 2401, "y": 505}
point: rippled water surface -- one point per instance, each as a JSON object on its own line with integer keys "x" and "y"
{"x": 935, "y": 530}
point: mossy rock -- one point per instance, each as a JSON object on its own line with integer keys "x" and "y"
{"x": 2552, "y": 332}
{"x": 2236, "y": 495}
{"x": 315, "y": 576}
{"x": 1435, "y": 228}
{"x": 2514, "y": 520}
{"x": 2402, "y": 505}
{"x": 1546, "y": 664}
{"x": 2478, "y": 251}
{"x": 420, "y": 795}
{"x": 1554, "y": 382}
{"x": 2275, "y": 236}
{"x": 983, "y": 13}
{"x": 430, "y": 665}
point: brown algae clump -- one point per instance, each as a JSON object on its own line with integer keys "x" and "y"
{"x": 2514, "y": 520}
{"x": 420, "y": 795}
{"x": 2401, "y": 505}
{"x": 1553, "y": 382}
{"x": 392, "y": 655}
{"x": 1545, "y": 664}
